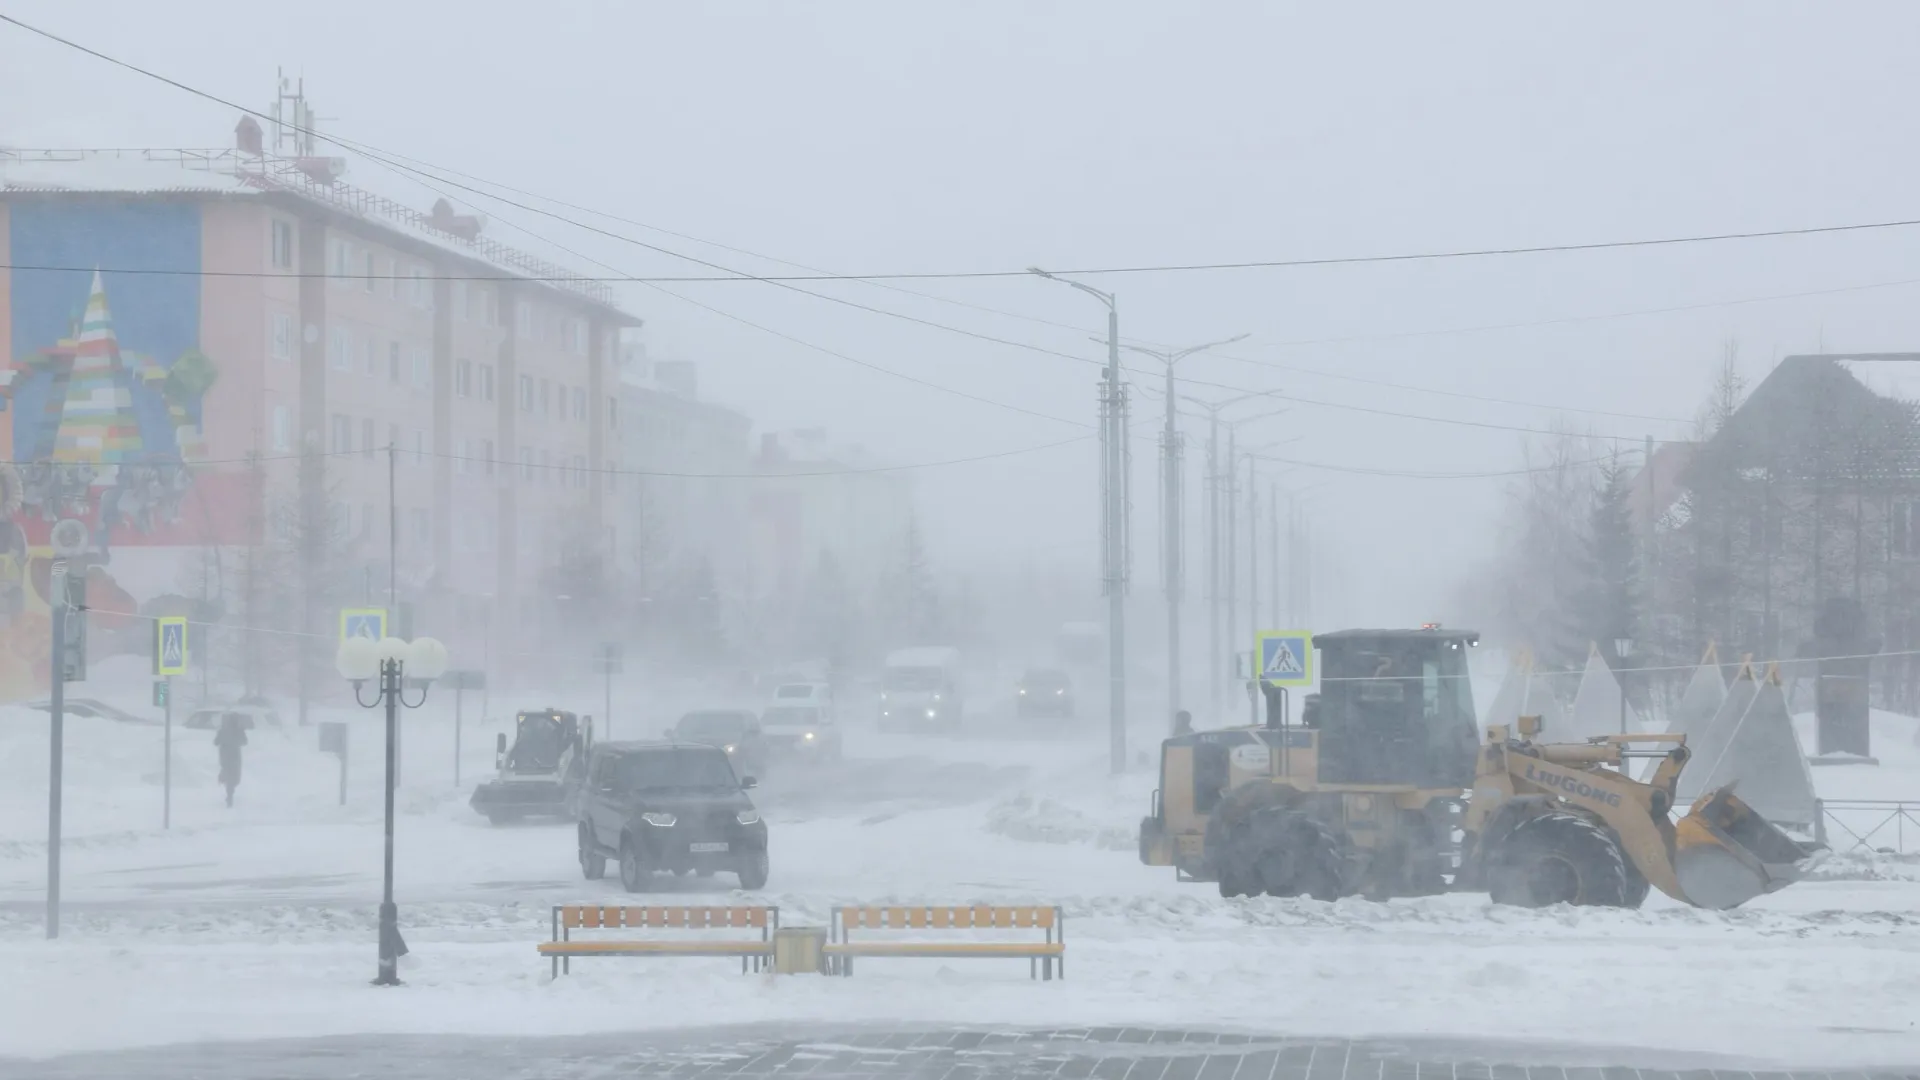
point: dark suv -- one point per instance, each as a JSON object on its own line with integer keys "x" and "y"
{"x": 669, "y": 807}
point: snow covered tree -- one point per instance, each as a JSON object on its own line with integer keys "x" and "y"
{"x": 1608, "y": 606}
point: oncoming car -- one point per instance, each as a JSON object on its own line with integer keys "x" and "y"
{"x": 735, "y": 731}
{"x": 1044, "y": 692}
{"x": 805, "y": 732}
{"x": 669, "y": 808}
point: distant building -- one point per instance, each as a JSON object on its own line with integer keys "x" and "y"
{"x": 817, "y": 496}
{"x": 691, "y": 470}
{"x": 170, "y": 314}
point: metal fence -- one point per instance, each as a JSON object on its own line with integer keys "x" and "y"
{"x": 1869, "y": 824}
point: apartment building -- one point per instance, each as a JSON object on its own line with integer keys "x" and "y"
{"x": 177, "y": 328}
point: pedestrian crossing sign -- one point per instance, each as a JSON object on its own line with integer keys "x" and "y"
{"x": 1286, "y": 657}
{"x": 170, "y": 646}
{"x": 366, "y": 622}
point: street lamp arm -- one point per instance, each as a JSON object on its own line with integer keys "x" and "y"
{"x": 357, "y": 684}
{"x": 1104, "y": 297}
{"x": 1184, "y": 353}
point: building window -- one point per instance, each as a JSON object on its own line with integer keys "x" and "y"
{"x": 1903, "y": 532}
{"x": 339, "y": 348}
{"x": 342, "y": 434}
{"x": 459, "y": 289}
{"x": 580, "y": 403}
{"x": 526, "y": 465}
{"x": 419, "y": 446}
{"x": 422, "y": 368}
{"x": 282, "y": 244}
{"x": 523, "y": 320}
{"x": 526, "y": 393}
{"x": 280, "y": 336}
{"x": 545, "y": 396}
{"x": 393, "y": 436}
{"x": 613, "y": 476}
{"x": 368, "y": 276}
{"x": 463, "y": 378}
{"x": 393, "y": 361}
{"x": 373, "y": 357}
{"x": 546, "y": 467}
{"x": 613, "y": 412}
{"x": 486, "y": 382}
{"x": 461, "y": 456}
{"x": 366, "y": 436}
{"x": 579, "y": 471}
{"x": 339, "y": 255}
{"x": 282, "y": 428}
{"x": 486, "y": 456}
{"x": 422, "y": 290}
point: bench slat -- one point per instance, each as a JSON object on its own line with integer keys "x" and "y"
{"x": 673, "y": 948}
{"x": 946, "y": 948}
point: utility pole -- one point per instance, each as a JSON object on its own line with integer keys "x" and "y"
{"x": 1173, "y": 512}
{"x": 1231, "y": 495}
{"x": 1253, "y": 579}
{"x": 57, "y": 708}
{"x": 1213, "y": 561}
{"x": 1114, "y": 484}
{"x": 1273, "y": 545}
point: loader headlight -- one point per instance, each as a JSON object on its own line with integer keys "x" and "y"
{"x": 664, "y": 821}
{"x": 931, "y": 713}
{"x": 729, "y": 748}
{"x": 1023, "y": 691}
{"x": 936, "y": 697}
{"x": 808, "y": 736}
{"x": 747, "y": 817}
{"x": 1060, "y": 693}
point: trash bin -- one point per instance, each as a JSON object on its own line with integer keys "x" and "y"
{"x": 799, "y": 950}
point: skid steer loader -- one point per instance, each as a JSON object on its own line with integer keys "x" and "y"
{"x": 1386, "y": 789}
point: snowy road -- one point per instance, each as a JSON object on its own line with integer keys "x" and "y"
{"x": 258, "y": 922}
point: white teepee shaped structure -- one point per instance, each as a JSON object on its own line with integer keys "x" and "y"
{"x": 1522, "y": 694}
{"x": 1701, "y": 699}
{"x": 1598, "y": 706}
{"x": 1755, "y": 749}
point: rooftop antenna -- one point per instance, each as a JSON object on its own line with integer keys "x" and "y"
{"x": 294, "y": 121}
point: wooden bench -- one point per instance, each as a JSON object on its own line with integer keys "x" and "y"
{"x": 1042, "y": 956}
{"x": 570, "y": 917}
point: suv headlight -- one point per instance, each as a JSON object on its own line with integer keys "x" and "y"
{"x": 665, "y": 821}
{"x": 747, "y": 817}
{"x": 729, "y": 748}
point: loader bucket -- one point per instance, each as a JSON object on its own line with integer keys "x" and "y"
{"x": 1725, "y": 854}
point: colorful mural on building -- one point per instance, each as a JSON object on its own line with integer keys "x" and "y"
{"x": 101, "y": 407}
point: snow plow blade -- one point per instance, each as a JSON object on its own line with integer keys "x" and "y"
{"x": 1725, "y": 854}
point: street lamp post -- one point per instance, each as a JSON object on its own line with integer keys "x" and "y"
{"x": 1622, "y": 648}
{"x": 1171, "y": 511}
{"x": 1115, "y": 516}
{"x": 392, "y": 661}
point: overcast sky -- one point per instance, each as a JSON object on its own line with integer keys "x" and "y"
{"x": 884, "y": 136}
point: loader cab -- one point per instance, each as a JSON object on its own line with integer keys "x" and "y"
{"x": 1395, "y": 707}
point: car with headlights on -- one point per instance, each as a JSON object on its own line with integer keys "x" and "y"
{"x": 800, "y": 732}
{"x": 735, "y": 731}
{"x": 1044, "y": 692}
{"x": 669, "y": 807}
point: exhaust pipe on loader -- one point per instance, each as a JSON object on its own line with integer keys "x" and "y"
{"x": 1725, "y": 854}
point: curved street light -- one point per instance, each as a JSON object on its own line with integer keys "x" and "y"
{"x": 392, "y": 661}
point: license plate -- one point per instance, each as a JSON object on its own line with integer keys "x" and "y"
{"x": 707, "y": 847}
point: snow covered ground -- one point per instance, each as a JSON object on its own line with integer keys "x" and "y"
{"x": 259, "y": 921}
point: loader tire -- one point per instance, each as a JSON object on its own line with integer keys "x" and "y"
{"x": 1295, "y": 854}
{"x": 1559, "y": 858}
{"x": 1637, "y": 886}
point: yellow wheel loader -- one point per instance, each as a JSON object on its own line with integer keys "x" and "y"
{"x": 1386, "y": 789}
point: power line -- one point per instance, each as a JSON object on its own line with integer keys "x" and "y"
{"x": 562, "y": 467}
{"x": 1411, "y": 475}
{"x": 782, "y": 280}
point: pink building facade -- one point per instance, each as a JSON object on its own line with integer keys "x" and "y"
{"x": 207, "y": 349}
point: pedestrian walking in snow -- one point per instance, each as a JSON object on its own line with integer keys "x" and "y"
{"x": 231, "y": 737}
{"x": 1183, "y": 723}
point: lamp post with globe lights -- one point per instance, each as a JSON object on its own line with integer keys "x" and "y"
{"x": 393, "y": 662}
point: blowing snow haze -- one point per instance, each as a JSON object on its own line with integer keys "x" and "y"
{"x": 749, "y": 361}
